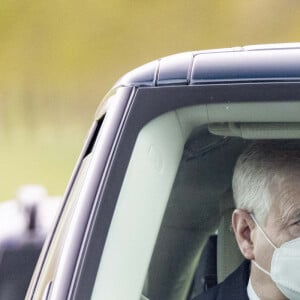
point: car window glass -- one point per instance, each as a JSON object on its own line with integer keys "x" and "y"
{"x": 162, "y": 225}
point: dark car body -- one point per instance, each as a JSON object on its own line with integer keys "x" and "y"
{"x": 152, "y": 181}
{"x": 24, "y": 222}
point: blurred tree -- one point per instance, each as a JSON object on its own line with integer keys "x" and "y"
{"x": 58, "y": 58}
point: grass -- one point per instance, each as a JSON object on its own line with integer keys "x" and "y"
{"x": 45, "y": 157}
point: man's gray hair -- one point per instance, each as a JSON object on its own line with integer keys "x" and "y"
{"x": 262, "y": 165}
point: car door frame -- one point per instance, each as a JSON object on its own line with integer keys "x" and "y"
{"x": 146, "y": 104}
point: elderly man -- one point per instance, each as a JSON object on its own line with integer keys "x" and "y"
{"x": 266, "y": 223}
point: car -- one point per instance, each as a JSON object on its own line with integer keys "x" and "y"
{"x": 147, "y": 210}
{"x": 24, "y": 222}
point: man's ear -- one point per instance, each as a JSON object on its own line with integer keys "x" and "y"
{"x": 243, "y": 225}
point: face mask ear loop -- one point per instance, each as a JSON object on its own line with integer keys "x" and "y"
{"x": 262, "y": 269}
{"x": 266, "y": 237}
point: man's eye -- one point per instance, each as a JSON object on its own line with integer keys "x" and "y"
{"x": 297, "y": 223}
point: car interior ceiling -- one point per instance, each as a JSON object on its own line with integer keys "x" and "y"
{"x": 200, "y": 205}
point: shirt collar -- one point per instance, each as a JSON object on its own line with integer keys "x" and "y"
{"x": 250, "y": 291}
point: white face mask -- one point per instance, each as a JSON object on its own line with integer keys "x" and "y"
{"x": 285, "y": 266}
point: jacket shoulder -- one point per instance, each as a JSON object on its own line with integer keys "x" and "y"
{"x": 233, "y": 287}
{"x": 210, "y": 294}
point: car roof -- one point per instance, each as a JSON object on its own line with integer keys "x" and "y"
{"x": 273, "y": 62}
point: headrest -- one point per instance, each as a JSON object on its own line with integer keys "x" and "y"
{"x": 229, "y": 256}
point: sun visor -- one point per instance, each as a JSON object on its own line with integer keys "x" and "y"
{"x": 257, "y": 130}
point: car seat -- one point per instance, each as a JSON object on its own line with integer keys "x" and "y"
{"x": 221, "y": 254}
{"x": 229, "y": 256}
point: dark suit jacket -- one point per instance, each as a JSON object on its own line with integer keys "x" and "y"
{"x": 234, "y": 287}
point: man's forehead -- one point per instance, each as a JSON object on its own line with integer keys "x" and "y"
{"x": 286, "y": 197}
{"x": 290, "y": 210}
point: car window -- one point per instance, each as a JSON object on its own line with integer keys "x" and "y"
{"x": 176, "y": 197}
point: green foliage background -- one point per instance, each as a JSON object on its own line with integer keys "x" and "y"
{"x": 58, "y": 58}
